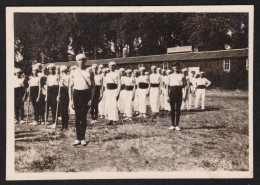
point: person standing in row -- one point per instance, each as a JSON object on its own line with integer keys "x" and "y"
{"x": 177, "y": 82}
{"x": 192, "y": 81}
{"x": 98, "y": 94}
{"x": 63, "y": 98}
{"x": 155, "y": 80}
{"x": 185, "y": 101}
{"x": 101, "y": 105}
{"x": 113, "y": 87}
{"x": 201, "y": 84}
{"x": 143, "y": 92}
{"x": 129, "y": 95}
{"x": 83, "y": 84}
{"x": 122, "y": 92}
{"x": 167, "y": 106}
{"x": 52, "y": 91}
{"x": 19, "y": 94}
{"x": 135, "y": 75}
{"x": 34, "y": 91}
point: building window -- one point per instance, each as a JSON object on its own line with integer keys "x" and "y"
{"x": 226, "y": 65}
{"x": 140, "y": 65}
{"x": 165, "y": 65}
{"x": 247, "y": 64}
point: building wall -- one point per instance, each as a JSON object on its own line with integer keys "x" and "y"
{"x": 236, "y": 78}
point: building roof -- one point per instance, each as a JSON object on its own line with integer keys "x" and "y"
{"x": 204, "y": 55}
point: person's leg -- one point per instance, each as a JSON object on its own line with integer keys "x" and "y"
{"x": 172, "y": 104}
{"x": 77, "y": 99}
{"x": 178, "y": 107}
{"x": 203, "y": 95}
{"x": 22, "y": 110}
{"x": 197, "y": 98}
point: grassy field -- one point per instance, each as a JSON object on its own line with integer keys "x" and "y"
{"x": 215, "y": 139}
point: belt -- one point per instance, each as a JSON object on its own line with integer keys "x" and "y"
{"x": 201, "y": 87}
{"x": 143, "y": 85}
{"x": 111, "y": 86}
{"x": 129, "y": 88}
{"x": 122, "y": 86}
{"x": 155, "y": 85}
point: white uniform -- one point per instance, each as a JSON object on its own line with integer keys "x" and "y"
{"x": 166, "y": 95}
{"x": 192, "y": 81}
{"x": 187, "y": 88}
{"x": 111, "y": 104}
{"x": 128, "y": 103}
{"x": 155, "y": 92}
{"x": 101, "y": 105}
{"x": 201, "y": 91}
{"x": 122, "y": 97}
{"x": 135, "y": 104}
{"x": 142, "y": 94}
{"x": 162, "y": 93}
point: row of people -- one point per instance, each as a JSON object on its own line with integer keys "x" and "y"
{"x": 107, "y": 92}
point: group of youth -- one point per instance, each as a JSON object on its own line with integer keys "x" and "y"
{"x": 107, "y": 92}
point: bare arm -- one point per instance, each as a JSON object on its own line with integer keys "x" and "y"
{"x": 71, "y": 84}
{"x": 92, "y": 80}
{"x": 119, "y": 85}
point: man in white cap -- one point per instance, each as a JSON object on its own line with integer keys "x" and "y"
{"x": 19, "y": 94}
{"x": 113, "y": 86}
{"x": 63, "y": 97}
{"x": 52, "y": 91}
{"x": 143, "y": 92}
{"x": 83, "y": 84}
{"x": 177, "y": 82}
{"x": 129, "y": 95}
{"x": 155, "y": 83}
{"x": 98, "y": 94}
{"x": 201, "y": 84}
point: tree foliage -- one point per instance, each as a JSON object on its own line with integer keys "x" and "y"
{"x": 45, "y": 36}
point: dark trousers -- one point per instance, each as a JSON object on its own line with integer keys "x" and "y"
{"x": 81, "y": 99}
{"x": 63, "y": 106}
{"x": 52, "y": 101}
{"x": 94, "y": 105}
{"x": 19, "y": 105}
{"x": 175, "y": 103}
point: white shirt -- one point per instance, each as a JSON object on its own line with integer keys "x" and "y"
{"x": 64, "y": 81}
{"x": 129, "y": 81}
{"x": 202, "y": 81}
{"x": 34, "y": 81}
{"x": 143, "y": 79}
{"x": 155, "y": 78}
{"x": 52, "y": 80}
{"x": 19, "y": 82}
{"x": 98, "y": 80}
{"x": 112, "y": 77}
{"x": 79, "y": 78}
{"x": 176, "y": 79}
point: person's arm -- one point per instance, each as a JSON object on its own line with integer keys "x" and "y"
{"x": 149, "y": 86}
{"x": 93, "y": 86}
{"x": 185, "y": 88}
{"x": 119, "y": 86}
{"x": 71, "y": 84}
{"x": 208, "y": 83}
{"x": 101, "y": 89}
{"x": 133, "y": 97}
{"x": 40, "y": 88}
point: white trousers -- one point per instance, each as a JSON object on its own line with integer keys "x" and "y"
{"x": 121, "y": 100}
{"x": 128, "y": 103}
{"x": 142, "y": 101}
{"x": 190, "y": 95}
{"x": 111, "y": 104}
{"x": 101, "y": 105}
{"x": 155, "y": 99}
{"x": 166, "y": 103}
{"x": 200, "y": 93}
{"x": 162, "y": 99}
{"x": 135, "y": 103}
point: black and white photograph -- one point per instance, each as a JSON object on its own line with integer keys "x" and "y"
{"x": 129, "y": 92}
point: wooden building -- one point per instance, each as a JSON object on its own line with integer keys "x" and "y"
{"x": 224, "y": 68}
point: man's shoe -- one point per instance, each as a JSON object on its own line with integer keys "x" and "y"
{"x": 22, "y": 122}
{"x": 77, "y": 142}
{"x": 140, "y": 115}
{"x": 177, "y": 128}
{"x": 126, "y": 119}
{"x": 83, "y": 143}
{"x": 95, "y": 121}
{"x": 144, "y": 116}
{"x": 92, "y": 122}
{"x": 171, "y": 128}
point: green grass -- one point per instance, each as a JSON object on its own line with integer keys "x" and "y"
{"x": 216, "y": 139}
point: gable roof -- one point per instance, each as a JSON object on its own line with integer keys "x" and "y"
{"x": 219, "y": 54}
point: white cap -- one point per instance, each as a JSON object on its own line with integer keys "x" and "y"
{"x": 142, "y": 68}
{"x": 104, "y": 70}
{"x": 201, "y": 72}
{"x": 122, "y": 69}
{"x": 50, "y": 66}
{"x": 18, "y": 70}
{"x": 168, "y": 71}
{"x": 35, "y": 68}
{"x": 153, "y": 67}
{"x": 111, "y": 63}
{"x": 100, "y": 66}
{"x": 80, "y": 56}
{"x": 94, "y": 66}
{"x": 146, "y": 73}
{"x": 163, "y": 70}
{"x": 158, "y": 69}
{"x": 63, "y": 68}
{"x": 128, "y": 71}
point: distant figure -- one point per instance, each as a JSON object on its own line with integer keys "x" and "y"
{"x": 185, "y": 100}
{"x": 177, "y": 82}
{"x": 192, "y": 81}
{"x": 201, "y": 84}
{"x": 19, "y": 91}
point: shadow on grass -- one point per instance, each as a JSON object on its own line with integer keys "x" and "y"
{"x": 204, "y": 127}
